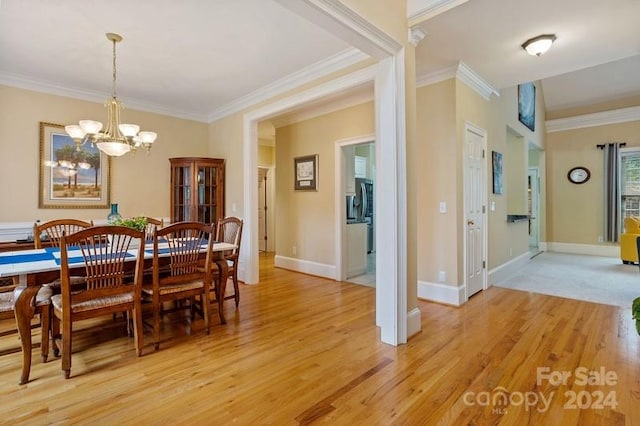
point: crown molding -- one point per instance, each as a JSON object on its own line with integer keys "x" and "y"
{"x": 436, "y": 76}
{"x": 473, "y": 80}
{"x": 323, "y": 109}
{"x": 622, "y": 115}
{"x": 463, "y": 73}
{"x": 434, "y": 8}
{"x": 20, "y": 82}
{"x": 335, "y": 15}
{"x": 313, "y": 72}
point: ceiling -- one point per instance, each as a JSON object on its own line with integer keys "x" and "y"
{"x": 194, "y": 58}
{"x": 487, "y": 36}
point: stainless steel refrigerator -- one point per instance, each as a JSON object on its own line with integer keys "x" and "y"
{"x": 365, "y": 208}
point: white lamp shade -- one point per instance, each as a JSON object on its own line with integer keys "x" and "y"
{"x": 147, "y": 137}
{"x": 129, "y": 130}
{"x": 75, "y": 131}
{"x": 113, "y": 149}
{"x": 90, "y": 126}
{"x": 539, "y": 45}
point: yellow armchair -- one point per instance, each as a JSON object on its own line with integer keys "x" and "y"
{"x": 628, "y": 248}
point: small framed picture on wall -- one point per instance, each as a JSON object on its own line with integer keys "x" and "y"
{"x": 496, "y": 162}
{"x": 527, "y": 105}
{"x": 306, "y": 173}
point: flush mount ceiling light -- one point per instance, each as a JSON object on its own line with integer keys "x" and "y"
{"x": 538, "y": 45}
{"x": 117, "y": 139}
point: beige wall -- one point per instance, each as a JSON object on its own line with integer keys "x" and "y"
{"x": 576, "y": 212}
{"x": 510, "y": 240}
{"x": 515, "y": 160}
{"x": 442, "y": 110}
{"x": 306, "y": 219}
{"x": 139, "y": 183}
{"x": 266, "y": 155}
{"x": 388, "y": 15}
{"x": 437, "y": 157}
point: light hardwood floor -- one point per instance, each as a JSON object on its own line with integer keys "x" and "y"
{"x": 302, "y": 349}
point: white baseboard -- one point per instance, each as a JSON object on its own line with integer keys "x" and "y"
{"x": 441, "y": 293}
{"x": 414, "y": 324}
{"x": 507, "y": 269}
{"x": 306, "y": 267}
{"x": 588, "y": 249}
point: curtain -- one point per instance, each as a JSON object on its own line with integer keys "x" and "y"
{"x": 612, "y": 226}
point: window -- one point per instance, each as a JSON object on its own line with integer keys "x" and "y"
{"x": 630, "y": 183}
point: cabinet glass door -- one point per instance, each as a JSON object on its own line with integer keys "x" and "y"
{"x": 182, "y": 193}
{"x": 207, "y": 187}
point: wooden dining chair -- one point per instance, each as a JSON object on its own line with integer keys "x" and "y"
{"x": 105, "y": 289}
{"x": 53, "y": 230}
{"x": 41, "y": 304}
{"x": 152, "y": 225}
{"x": 229, "y": 230}
{"x": 183, "y": 247}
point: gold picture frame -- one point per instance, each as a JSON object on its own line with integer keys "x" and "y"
{"x": 71, "y": 178}
{"x": 305, "y": 170}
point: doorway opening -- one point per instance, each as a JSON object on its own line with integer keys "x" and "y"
{"x": 359, "y": 189}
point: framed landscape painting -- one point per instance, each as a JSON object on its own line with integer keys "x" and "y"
{"x": 71, "y": 178}
{"x": 527, "y": 105}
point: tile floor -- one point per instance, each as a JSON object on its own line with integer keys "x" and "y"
{"x": 369, "y": 277}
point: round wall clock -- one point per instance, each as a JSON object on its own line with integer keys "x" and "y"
{"x": 579, "y": 175}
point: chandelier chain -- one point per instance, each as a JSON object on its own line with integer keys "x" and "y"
{"x": 114, "y": 69}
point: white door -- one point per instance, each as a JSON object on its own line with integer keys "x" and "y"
{"x": 534, "y": 208}
{"x": 474, "y": 196}
{"x": 262, "y": 209}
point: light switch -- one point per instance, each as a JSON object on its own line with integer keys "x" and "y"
{"x": 443, "y": 206}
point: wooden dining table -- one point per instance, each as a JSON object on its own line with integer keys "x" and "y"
{"x": 40, "y": 266}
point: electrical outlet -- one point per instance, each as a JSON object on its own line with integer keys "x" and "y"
{"x": 600, "y": 239}
{"x": 443, "y": 206}
{"x": 293, "y": 250}
{"x": 442, "y": 276}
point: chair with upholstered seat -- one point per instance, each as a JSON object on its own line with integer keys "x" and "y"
{"x": 105, "y": 289}
{"x": 229, "y": 230}
{"x": 183, "y": 246}
{"x": 43, "y": 298}
{"x": 51, "y": 232}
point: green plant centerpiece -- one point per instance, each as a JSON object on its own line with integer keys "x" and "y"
{"x": 137, "y": 223}
{"x": 635, "y": 311}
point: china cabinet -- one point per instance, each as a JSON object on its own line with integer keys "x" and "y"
{"x": 197, "y": 189}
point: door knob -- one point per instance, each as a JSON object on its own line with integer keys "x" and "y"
{"x": 470, "y": 222}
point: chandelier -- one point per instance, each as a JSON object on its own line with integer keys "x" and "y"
{"x": 117, "y": 139}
